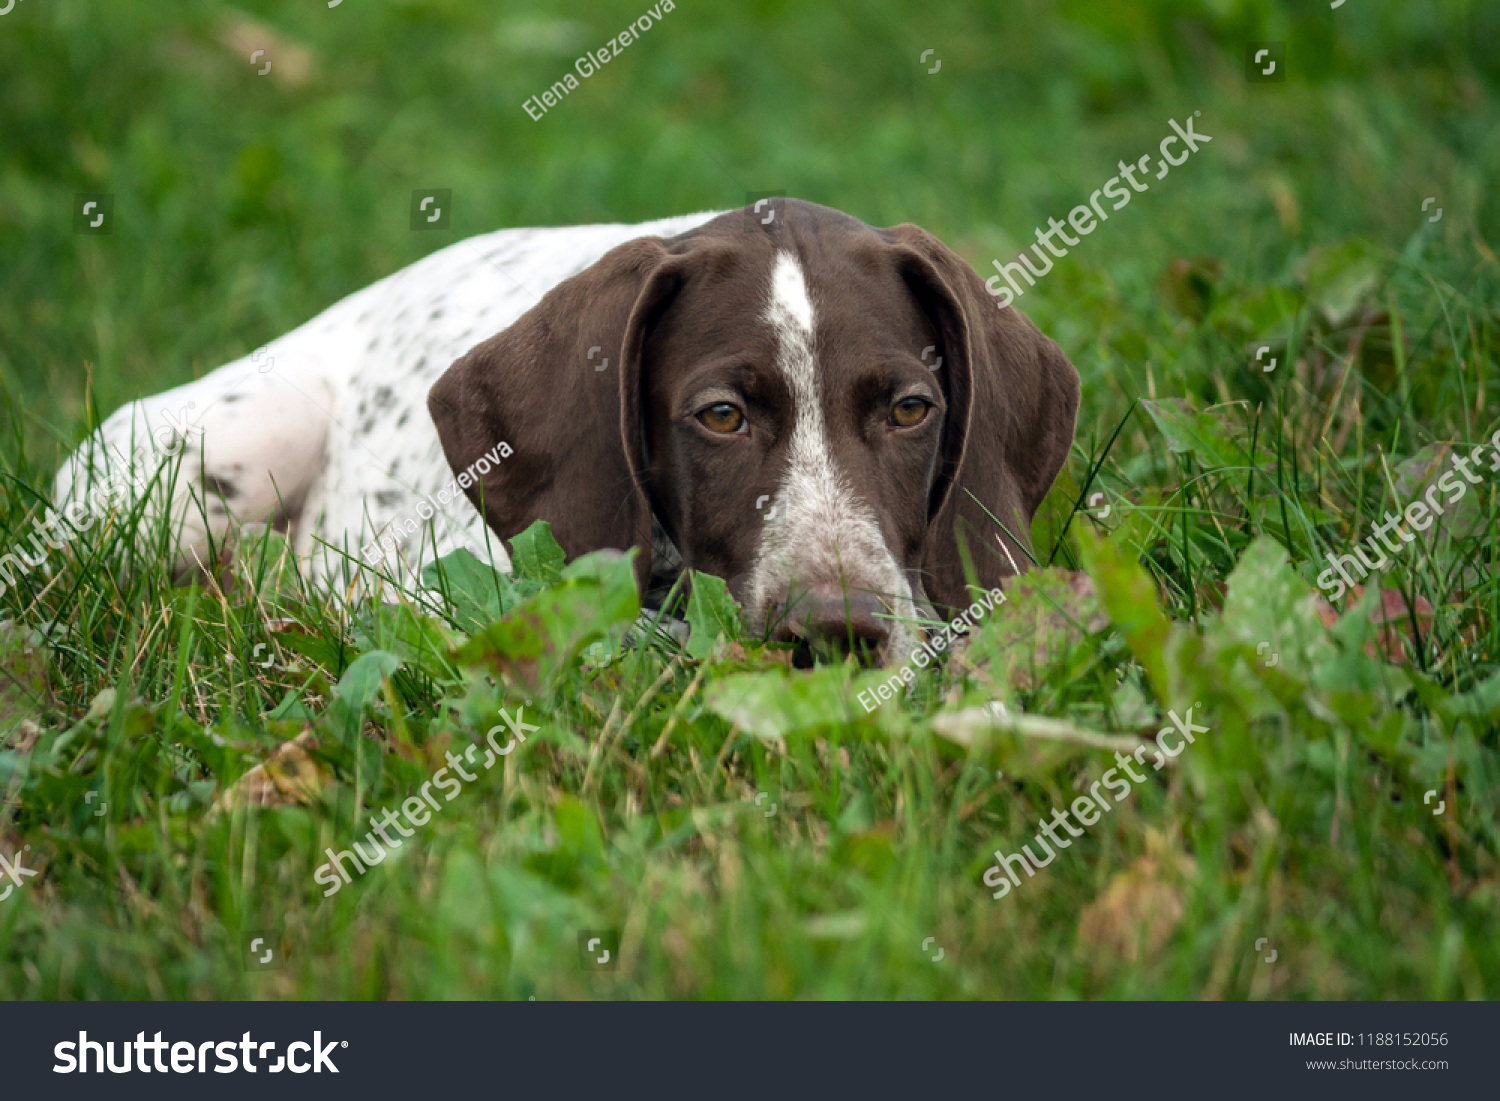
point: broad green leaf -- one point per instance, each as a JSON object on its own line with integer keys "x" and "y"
{"x": 1350, "y": 667}
{"x": 711, "y": 611}
{"x": 1339, "y": 278}
{"x": 537, "y": 640}
{"x": 536, "y": 556}
{"x": 580, "y": 846}
{"x": 1480, "y": 705}
{"x": 291, "y": 709}
{"x": 776, "y": 702}
{"x": 361, "y": 681}
{"x": 359, "y": 685}
{"x": 1129, "y": 598}
{"x": 614, "y": 574}
{"x": 328, "y": 651}
{"x": 1206, "y": 436}
{"x": 1271, "y": 610}
{"x": 1432, "y": 694}
{"x": 1455, "y": 507}
{"x": 477, "y": 594}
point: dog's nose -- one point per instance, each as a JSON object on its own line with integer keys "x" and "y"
{"x": 831, "y": 622}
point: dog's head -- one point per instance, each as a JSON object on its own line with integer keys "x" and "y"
{"x": 830, "y": 417}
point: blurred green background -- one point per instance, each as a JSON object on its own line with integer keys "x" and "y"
{"x": 245, "y": 204}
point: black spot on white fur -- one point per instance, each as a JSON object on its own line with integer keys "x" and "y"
{"x": 222, "y": 488}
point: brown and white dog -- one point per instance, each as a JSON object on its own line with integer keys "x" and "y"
{"x": 829, "y": 416}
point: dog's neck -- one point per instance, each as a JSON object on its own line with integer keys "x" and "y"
{"x": 666, "y": 565}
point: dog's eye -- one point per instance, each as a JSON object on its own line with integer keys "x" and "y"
{"x": 722, "y": 418}
{"x": 908, "y": 413}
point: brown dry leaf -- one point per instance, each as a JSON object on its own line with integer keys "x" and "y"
{"x": 24, "y": 737}
{"x": 1046, "y": 613}
{"x": 1142, "y": 905}
{"x": 735, "y": 652}
{"x": 290, "y": 776}
{"x": 289, "y": 63}
{"x": 975, "y": 726}
{"x": 1393, "y": 616}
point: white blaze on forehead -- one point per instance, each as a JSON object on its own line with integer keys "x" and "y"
{"x": 819, "y": 532}
{"x": 790, "y": 306}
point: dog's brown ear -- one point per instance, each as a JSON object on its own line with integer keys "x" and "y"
{"x": 1017, "y": 405}
{"x": 552, "y": 387}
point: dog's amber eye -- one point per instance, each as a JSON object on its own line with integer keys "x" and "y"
{"x": 722, "y": 418}
{"x": 908, "y": 413}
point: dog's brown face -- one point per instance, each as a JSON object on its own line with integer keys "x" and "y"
{"x": 814, "y": 410}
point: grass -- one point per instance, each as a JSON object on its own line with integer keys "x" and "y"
{"x": 244, "y": 205}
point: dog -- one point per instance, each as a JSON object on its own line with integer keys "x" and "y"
{"x": 840, "y": 421}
